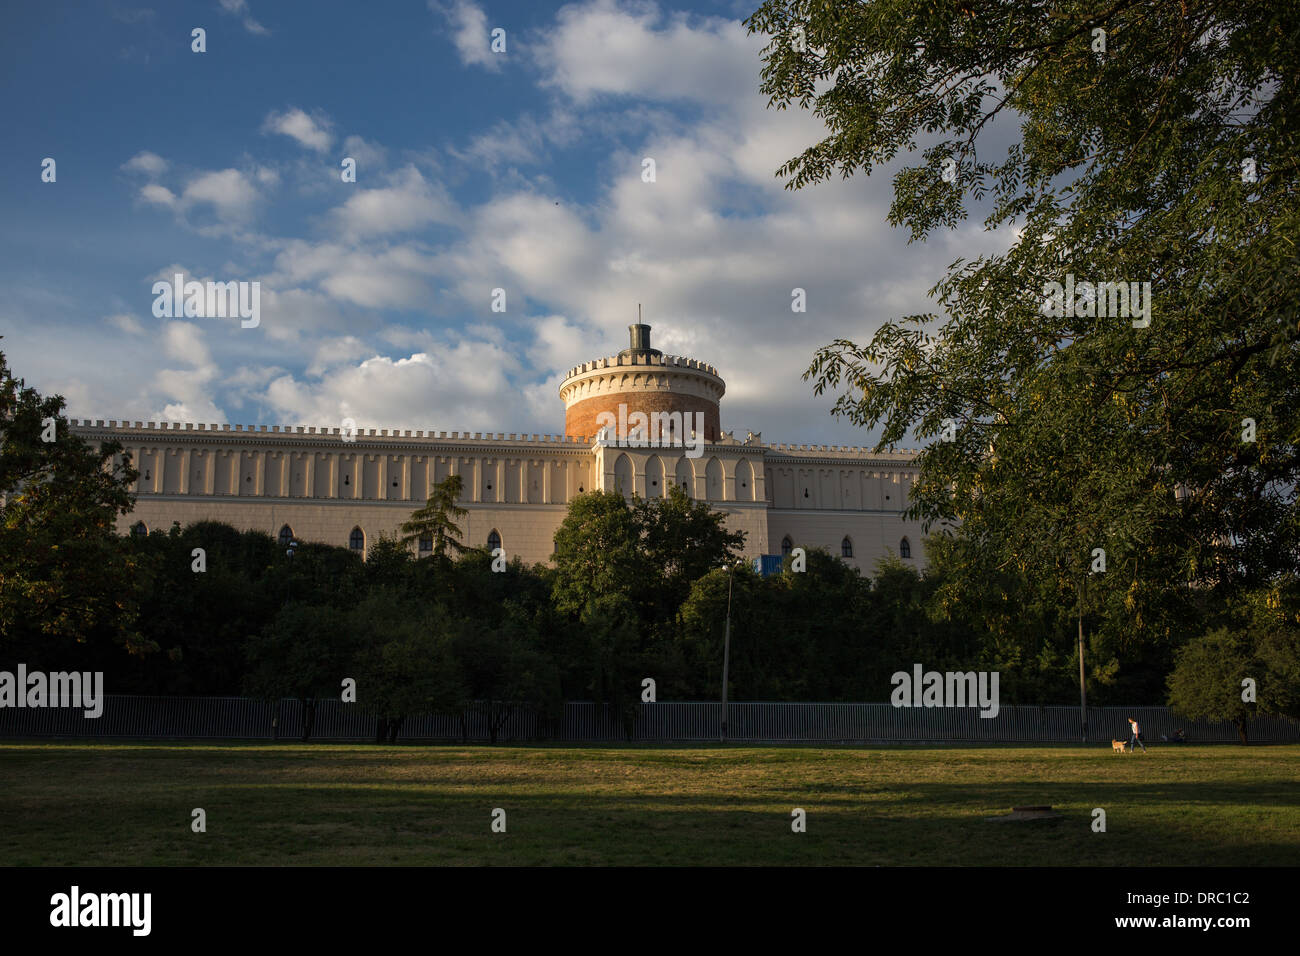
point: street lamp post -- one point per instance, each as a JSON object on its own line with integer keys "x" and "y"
{"x": 726, "y": 648}
{"x": 279, "y": 702}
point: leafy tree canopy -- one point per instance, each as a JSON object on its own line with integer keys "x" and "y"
{"x": 1157, "y": 144}
{"x": 64, "y": 573}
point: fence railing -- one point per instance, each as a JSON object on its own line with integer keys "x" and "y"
{"x": 253, "y": 719}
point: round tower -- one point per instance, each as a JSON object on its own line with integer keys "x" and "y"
{"x": 680, "y": 392}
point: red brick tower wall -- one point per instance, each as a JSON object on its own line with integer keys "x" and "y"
{"x": 581, "y": 418}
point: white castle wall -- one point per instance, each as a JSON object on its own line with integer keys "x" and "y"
{"x": 519, "y": 485}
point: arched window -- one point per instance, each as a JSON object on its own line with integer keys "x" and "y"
{"x": 140, "y": 530}
{"x": 713, "y": 480}
{"x": 357, "y": 540}
{"x": 684, "y": 474}
{"x": 786, "y": 545}
{"x": 846, "y": 547}
{"x": 286, "y": 536}
{"x": 623, "y": 482}
{"x": 494, "y": 540}
{"x": 904, "y": 549}
{"x": 426, "y": 543}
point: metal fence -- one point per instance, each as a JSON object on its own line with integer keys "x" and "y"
{"x": 252, "y": 719}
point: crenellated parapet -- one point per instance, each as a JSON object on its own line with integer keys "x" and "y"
{"x": 643, "y": 380}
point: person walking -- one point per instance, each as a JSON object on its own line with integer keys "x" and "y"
{"x": 1137, "y": 736}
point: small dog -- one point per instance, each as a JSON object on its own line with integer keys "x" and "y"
{"x": 1119, "y": 746}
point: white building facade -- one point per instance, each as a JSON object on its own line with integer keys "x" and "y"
{"x": 332, "y": 486}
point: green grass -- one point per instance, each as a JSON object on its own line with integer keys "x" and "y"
{"x": 129, "y": 804}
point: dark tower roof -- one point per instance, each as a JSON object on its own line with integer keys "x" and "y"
{"x": 640, "y": 341}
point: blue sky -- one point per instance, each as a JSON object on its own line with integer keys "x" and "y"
{"x": 475, "y": 170}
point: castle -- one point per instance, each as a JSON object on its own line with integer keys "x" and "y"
{"x": 345, "y": 487}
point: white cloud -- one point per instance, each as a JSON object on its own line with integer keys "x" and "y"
{"x": 183, "y": 341}
{"x": 369, "y": 156}
{"x": 312, "y": 132}
{"x": 188, "y": 389}
{"x": 604, "y": 48}
{"x": 374, "y": 277}
{"x": 159, "y": 195}
{"x": 151, "y": 164}
{"x": 457, "y": 386}
{"x": 240, "y": 9}
{"x": 334, "y": 352}
{"x": 522, "y": 140}
{"x": 407, "y": 202}
{"x": 251, "y": 376}
{"x": 124, "y": 322}
{"x": 712, "y": 249}
{"x": 470, "y": 33}
{"x": 228, "y": 191}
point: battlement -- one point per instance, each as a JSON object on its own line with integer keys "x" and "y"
{"x": 846, "y": 451}
{"x": 324, "y": 431}
{"x": 642, "y": 361}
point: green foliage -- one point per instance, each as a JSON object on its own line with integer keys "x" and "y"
{"x": 1261, "y": 643}
{"x": 305, "y": 652}
{"x": 681, "y": 540}
{"x": 405, "y": 663}
{"x": 64, "y": 576}
{"x": 435, "y": 519}
{"x": 1076, "y": 433}
{"x": 598, "y": 552}
{"x": 1207, "y": 678}
{"x": 624, "y": 573}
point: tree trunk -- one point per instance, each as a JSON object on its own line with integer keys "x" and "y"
{"x": 381, "y": 730}
{"x": 394, "y": 726}
{"x": 1083, "y": 685}
{"x": 1241, "y": 730}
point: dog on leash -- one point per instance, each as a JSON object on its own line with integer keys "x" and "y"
{"x": 1118, "y": 746}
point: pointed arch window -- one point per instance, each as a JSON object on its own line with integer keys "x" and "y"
{"x": 357, "y": 540}
{"x": 904, "y": 548}
{"x": 846, "y": 547}
{"x": 786, "y": 546}
{"x": 140, "y": 530}
{"x": 286, "y": 536}
{"x": 494, "y": 540}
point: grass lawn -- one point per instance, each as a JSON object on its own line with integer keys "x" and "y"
{"x": 129, "y": 804}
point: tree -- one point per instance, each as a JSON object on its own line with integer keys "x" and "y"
{"x": 598, "y": 551}
{"x": 1206, "y": 681}
{"x": 504, "y": 670}
{"x": 65, "y": 576}
{"x": 306, "y": 652}
{"x": 388, "y": 562}
{"x": 200, "y": 620}
{"x": 405, "y": 662}
{"x": 1247, "y": 667}
{"x": 682, "y": 540}
{"x": 436, "y": 518}
{"x": 1157, "y": 146}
